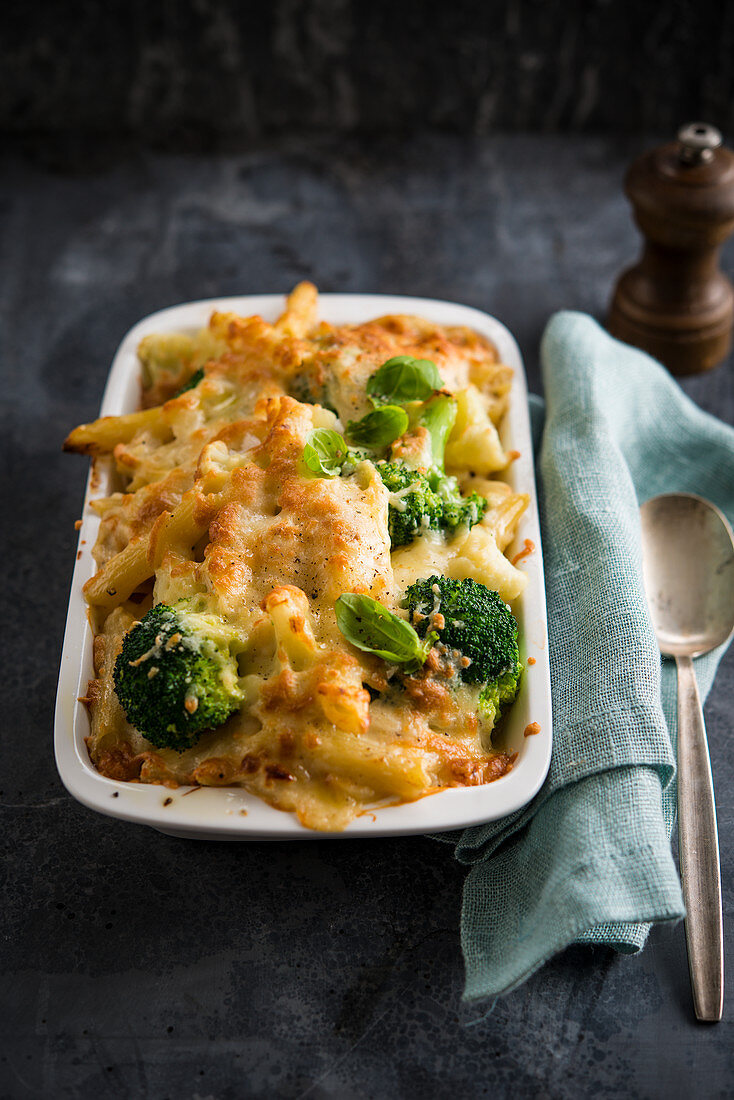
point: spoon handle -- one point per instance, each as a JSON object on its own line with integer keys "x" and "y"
{"x": 699, "y": 851}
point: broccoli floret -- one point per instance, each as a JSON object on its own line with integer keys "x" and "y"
{"x": 423, "y": 445}
{"x": 424, "y": 507}
{"x": 473, "y": 619}
{"x": 309, "y": 390}
{"x": 495, "y": 697}
{"x": 438, "y": 418}
{"x": 175, "y": 676}
{"x": 417, "y": 460}
{"x": 411, "y": 512}
{"x": 459, "y": 511}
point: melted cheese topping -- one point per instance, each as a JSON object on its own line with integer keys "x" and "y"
{"x": 215, "y": 507}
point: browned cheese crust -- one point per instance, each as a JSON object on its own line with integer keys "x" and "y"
{"x": 209, "y": 501}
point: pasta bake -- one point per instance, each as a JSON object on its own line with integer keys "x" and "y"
{"x": 302, "y": 587}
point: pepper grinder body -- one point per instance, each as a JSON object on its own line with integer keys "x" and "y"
{"x": 676, "y": 303}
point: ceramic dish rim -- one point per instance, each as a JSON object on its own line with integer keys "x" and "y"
{"x": 232, "y": 813}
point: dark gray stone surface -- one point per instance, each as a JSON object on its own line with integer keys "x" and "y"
{"x": 139, "y": 965}
{"x": 202, "y": 74}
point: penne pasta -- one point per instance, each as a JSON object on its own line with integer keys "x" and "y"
{"x": 260, "y": 555}
{"x": 103, "y": 435}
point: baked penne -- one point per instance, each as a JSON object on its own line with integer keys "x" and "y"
{"x": 305, "y": 554}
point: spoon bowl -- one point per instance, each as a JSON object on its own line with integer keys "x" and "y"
{"x": 688, "y": 569}
{"x": 688, "y": 573}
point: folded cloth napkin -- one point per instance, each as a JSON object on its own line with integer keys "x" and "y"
{"x": 589, "y": 859}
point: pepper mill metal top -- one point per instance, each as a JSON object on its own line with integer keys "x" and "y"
{"x": 697, "y": 142}
{"x": 675, "y": 302}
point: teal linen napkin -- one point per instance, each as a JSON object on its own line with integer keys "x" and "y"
{"x": 589, "y": 859}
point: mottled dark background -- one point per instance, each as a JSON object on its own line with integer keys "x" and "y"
{"x": 205, "y": 75}
{"x": 160, "y": 152}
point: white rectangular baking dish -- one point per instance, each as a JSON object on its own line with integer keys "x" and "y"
{"x": 231, "y": 813}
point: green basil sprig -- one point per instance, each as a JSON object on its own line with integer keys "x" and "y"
{"x": 369, "y": 626}
{"x": 325, "y": 452}
{"x": 379, "y": 428}
{"x": 403, "y": 379}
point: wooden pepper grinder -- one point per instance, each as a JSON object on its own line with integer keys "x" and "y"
{"x": 676, "y": 303}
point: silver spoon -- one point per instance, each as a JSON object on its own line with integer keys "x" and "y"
{"x": 688, "y": 569}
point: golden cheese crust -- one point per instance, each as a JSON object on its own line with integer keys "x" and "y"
{"x": 216, "y": 507}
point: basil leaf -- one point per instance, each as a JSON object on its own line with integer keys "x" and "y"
{"x": 369, "y": 626}
{"x": 193, "y": 382}
{"x": 379, "y": 428}
{"x": 325, "y": 452}
{"x": 402, "y": 379}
